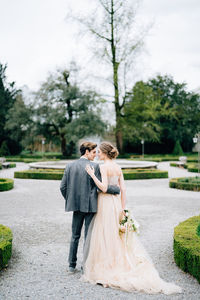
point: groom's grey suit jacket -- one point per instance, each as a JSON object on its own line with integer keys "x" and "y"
{"x": 79, "y": 189}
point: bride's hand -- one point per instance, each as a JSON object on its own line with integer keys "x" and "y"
{"x": 90, "y": 170}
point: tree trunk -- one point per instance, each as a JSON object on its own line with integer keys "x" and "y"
{"x": 63, "y": 145}
{"x": 115, "y": 64}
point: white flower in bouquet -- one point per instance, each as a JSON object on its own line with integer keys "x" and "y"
{"x": 128, "y": 224}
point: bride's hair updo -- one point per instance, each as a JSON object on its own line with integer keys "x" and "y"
{"x": 108, "y": 149}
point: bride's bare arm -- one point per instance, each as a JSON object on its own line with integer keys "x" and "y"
{"x": 102, "y": 185}
{"x": 123, "y": 190}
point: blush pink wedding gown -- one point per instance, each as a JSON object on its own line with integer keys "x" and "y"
{"x": 113, "y": 262}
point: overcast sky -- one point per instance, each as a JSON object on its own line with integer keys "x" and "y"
{"x": 35, "y": 39}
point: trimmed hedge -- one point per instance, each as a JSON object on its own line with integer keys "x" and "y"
{"x": 187, "y": 246}
{"x": 5, "y": 245}
{"x": 6, "y": 184}
{"x": 47, "y": 174}
{"x": 185, "y": 183}
{"x": 192, "y": 168}
{"x": 177, "y": 164}
{"x": 13, "y": 165}
{"x": 131, "y": 174}
{"x": 55, "y": 174}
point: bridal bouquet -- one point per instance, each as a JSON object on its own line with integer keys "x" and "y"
{"x": 127, "y": 224}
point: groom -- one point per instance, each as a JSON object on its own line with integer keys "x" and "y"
{"x": 80, "y": 193}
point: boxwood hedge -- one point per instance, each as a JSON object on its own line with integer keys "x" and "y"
{"x": 5, "y": 245}
{"x": 48, "y": 174}
{"x": 6, "y": 184}
{"x": 129, "y": 174}
{"x": 185, "y": 183}
{"x": 187, "y": 246}
{"x": 178, "y": 164}
{"x": 192, "y": 168}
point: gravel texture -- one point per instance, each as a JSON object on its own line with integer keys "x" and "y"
{"x": 34, "y": 210}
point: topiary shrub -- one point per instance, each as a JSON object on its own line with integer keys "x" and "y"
{"x": 5, "y": 245}
{"x": 187, "y": 247}
{"x": 6, "y": 184}
{"x": 178, "y": 149}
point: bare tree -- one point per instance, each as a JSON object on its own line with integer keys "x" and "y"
{"x": 113, "y": 24}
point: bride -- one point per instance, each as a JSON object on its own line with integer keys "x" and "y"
{"x": 109, "y": 258}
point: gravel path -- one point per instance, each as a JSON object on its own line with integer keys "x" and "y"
{"x": 34, "y": 210}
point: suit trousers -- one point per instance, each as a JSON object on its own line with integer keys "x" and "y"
{"x": 77, "y": 224}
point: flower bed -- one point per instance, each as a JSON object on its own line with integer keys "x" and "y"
{"x": 5, "y": 245}
{"x": 6, "y": 184}
{"x": 185, "y": 183}
{"x": 187, "y": 246}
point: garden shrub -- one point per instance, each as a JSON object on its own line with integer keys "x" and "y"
{"x": 5, "y": 245}
{"x": 6, "y": 184}
{"x": 187, "y": 247}
{"x": 198, "y": 230}
{"x": 131, "y": 174}
{"x": 47, "y": 174}
{"x": 55, "y": 174}
{"x": 177, "y": 149}
{"x": 192, "y": 168}
{"x": 13, "y": 165}
{"x": 185, "y": 183}
{"x": 177, "y": 164}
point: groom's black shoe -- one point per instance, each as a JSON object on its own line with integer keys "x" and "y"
{"x": 72, "y": 270}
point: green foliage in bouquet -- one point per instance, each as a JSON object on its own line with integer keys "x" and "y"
{"x": 127, "y": 223}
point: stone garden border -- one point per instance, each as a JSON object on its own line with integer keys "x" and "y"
{"x": 129, "y": 174}
{"x": 176, "y": 184}
{"x": 187, "y": 246}
{"x": 6, "y": 184}
{"x": 5, "y": 245}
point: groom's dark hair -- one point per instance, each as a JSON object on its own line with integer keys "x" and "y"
{"x": 87, "y": 146}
